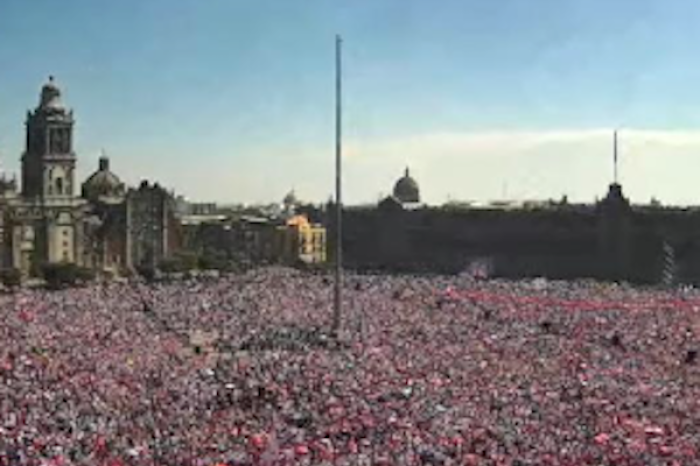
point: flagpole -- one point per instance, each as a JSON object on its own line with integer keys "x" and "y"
{"x": 338, "y": 190}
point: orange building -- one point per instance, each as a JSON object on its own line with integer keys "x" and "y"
{"x": 298, "y": 240}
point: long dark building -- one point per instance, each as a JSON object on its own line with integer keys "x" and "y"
{"x": 611, "y": 239}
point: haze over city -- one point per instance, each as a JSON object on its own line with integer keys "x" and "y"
{"x": 232, "y": 101}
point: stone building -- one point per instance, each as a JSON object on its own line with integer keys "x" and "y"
{"x": 611, "y": 239}
{"x": 43, "y": 221}
{"x": 287, "y": 235}
{"x": 152, "y": 229}
{"x": 129, "y": 228}
{"x": 107, "y": 228}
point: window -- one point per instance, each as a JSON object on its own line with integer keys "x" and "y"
{"x": 59, "y": 185}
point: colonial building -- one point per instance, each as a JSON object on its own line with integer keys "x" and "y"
{"x": 43, "y": 221}
{"x": 152, "y": 229}
{"x": 611, "y": 239}
{"x": 289, "y": 238}
{"x": 299, "y": 241}
{"x": 105, "y": 231}
{"x": 46, "y": 222}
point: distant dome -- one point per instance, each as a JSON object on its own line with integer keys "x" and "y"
{"x": 406, "y": 190}
{"x": 290, "y": 199}
{"x": 103, "y": 183}
{"x": 51, "y": 96}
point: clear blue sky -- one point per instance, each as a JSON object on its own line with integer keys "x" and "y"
{"x": 232, "y": 100}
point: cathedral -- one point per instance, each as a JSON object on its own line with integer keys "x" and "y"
{"x": 105, "y": 227}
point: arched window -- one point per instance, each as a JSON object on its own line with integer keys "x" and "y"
{"x": 59, "y": 185}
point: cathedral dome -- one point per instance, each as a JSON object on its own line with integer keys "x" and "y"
{"x": 406, "y": 190}
{"x": 290, "y": 199}
{"x": 51, "y": 96}
{"x": 103, "y": 183}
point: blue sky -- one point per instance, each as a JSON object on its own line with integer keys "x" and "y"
{"x": 232, "y": 100}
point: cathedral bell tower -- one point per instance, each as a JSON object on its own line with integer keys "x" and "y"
{"x": 48, "y": 163}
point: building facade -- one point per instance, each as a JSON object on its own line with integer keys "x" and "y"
{"x": 299, "y": 241}
{"x": 113, "y": 228}
{"x": 610, "y": 240}
{"x": 281, "y": 233}
{"x": 44, "y": 221}
{"x": 152, "y": 233}
{"x": 105, "y": 227}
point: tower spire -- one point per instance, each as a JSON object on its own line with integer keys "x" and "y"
{"x": 103, "y": 161}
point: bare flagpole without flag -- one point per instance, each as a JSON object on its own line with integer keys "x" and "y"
{"x": 337, "y": 298}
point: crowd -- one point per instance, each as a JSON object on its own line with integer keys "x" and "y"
{"x": 425, "y": 371}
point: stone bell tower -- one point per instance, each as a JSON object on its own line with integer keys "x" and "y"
{"x": 46, "y": 216}
{"x": 48, "y": 163}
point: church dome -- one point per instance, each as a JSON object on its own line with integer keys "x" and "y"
{"x": 406, "y": 189}
{"x": 103, "y": 183}
{"x": 51, "y": 96}
{"x": 290, "y": 199}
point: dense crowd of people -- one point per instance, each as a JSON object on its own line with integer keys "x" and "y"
{"x": 240, "y": 370}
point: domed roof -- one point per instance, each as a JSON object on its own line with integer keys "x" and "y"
{"x": 406, "y": 189}
{"x": 290, "y": 199}
{"x": 51, "y": 96}
{"x": 103, "y": 183}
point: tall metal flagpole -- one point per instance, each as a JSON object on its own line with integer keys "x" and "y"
{"x": 337, "y": 298}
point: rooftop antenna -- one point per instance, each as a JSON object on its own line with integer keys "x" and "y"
{"x": 337, "y": 298}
